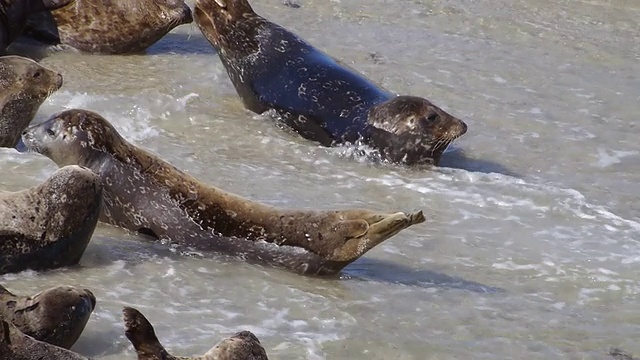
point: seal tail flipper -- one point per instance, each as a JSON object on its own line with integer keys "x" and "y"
{"x": 380, "y": 228}
{"x": 141, "y": 334}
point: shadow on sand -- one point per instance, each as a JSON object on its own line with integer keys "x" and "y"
{"x": 366, "y": 269}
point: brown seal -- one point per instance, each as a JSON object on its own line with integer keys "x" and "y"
{"x": 56, "y": 316}
{"x": 241, "y": 346}
{"x": 14, "y": 14}
{"x": 274, "y": 70}
{"x": 146, "y": 194}
{"x": 24, "y": 86}
{"x": 50, "y": 225}
{"x": 15, "y": 345}
{"x": 110, "y": 26}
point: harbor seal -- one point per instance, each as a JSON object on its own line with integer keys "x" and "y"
{"x": 243, "y": 345}
{"x": 14, "y": 14}
{"x": 321, "y": 99}
{"x": 146, "y": 194}
{"x": 24, "y": 86}
{"x": 56, "y": 316}
{"x": 109, "y": 26}
{"x": 49, "y": 226}
{"x": 15, "y": 345}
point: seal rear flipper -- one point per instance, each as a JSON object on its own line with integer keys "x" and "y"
{"x": 141, "y": 334}
{"x": 381, "y": 228}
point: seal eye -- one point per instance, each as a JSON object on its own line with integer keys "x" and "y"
{"x": 50, "y": 132}
{"x": 432, "y": 117}
{"x": 37, "y": 74}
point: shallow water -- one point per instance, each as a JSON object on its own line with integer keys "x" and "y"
{"x": 531, "y": 248}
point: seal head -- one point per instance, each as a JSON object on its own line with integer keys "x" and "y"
{"x": 56, "y": 316}
{"x": 24, "y": 86}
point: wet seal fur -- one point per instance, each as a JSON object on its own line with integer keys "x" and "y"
{"x": 49, "y": 226}
{"x": 24, "y": 86}
{"x": 15, "y": 345}
{"x": 146, "y": 194}
{"x": 315, "y": 95}
{"x": 14, "y": 14}
{"x": 241, "y": 346}
{"x": 109, "y": 26}
{"x": 56, "y": 316}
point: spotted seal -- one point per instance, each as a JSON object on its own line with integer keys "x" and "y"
{"x": 14, "y": 14}
{"x": 316, "y": 96}
{"x": 15, "y": 345}
{"x": 146, "y": 194}
{"x": 110, "y": 26}
{"x": 24, "y": 86}
{"x": 56, "y": 316}
{"x": 241, "y": 346}
{"x": 49, "y": 226}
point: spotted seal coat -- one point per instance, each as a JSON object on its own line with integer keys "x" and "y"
{"x": 110, "y": 26}
{"x": 49, "y": 226}
{"x": 56, "y": 316}
{"x": 15, "y": 345}
{"x": 274, "y": 70}
{"x": 14, "y": 14}
{"x": 243, "y": 345}
{"x": 24, "y": 86}
{"x": 146, "y": 194}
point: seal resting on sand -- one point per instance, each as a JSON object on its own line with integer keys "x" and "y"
{"x": 56, "y": 316}
{"x": 24, "y": 86}
{"x": 49, "y": 226}
{"x": 15, "y": 345}
{"x": 241, "y": 346}
{"x": 109, "y": 26}
{"x": 321, "y": 99}
{"x": 146, "y": 194}
{"x": 14, "y": 14}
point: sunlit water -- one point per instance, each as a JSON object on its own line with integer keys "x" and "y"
{"x": 531, "y": 248}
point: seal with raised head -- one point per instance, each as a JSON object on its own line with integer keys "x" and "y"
{"x": 56, "y": 316}
{"x": 24, "y": 86}
{"x": 15, "y": 345}
{"x": 243, "y": 345}
{"x": 49, "y": 226}
{"x": 146, "y": 194}
{"x": 321, "y": 99}
{"x": 109, "y": 26}
{"x": 14, "y": 14}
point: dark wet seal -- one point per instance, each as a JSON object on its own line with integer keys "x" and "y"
{"x": 109, "y": 26}
{"x": 317, "y": 96}
{"x": 15, "y": 345}
{"x": 241, "y": 346}
{"x": 14, "y": 14}
{"x": 56, "y": 316}
{"x": 144, "y": 193}
{"x": 24, "y": 86}
{"x": 50, "y": 225}
{"x": 620, "y": 354}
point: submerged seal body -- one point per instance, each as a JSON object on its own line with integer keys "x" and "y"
{"x": 50, "y": 225}
{"x": 15, "y": 345}
{"x": 315, "y": 95}
{"x": 24, "y": 86}
{"x": 146, "y": 194}
{"x": 110, "y": 26}
{"x": 56, "y": 316}
{"x": 241, "y": 346}
{"x": 14, "y": 14}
